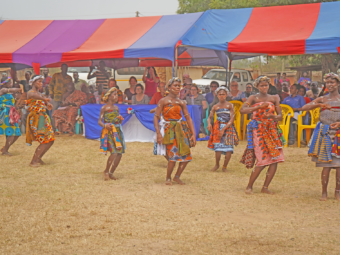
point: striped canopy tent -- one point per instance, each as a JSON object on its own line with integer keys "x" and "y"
{"x": 207, "y": 38}
{"x": 278, "y": 30}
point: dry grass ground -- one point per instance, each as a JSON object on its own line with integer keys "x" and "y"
{"x": 66, "y": 208}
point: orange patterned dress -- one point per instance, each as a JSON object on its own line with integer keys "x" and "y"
{"x": 176, "y": 134}
{"x": 39, "y": 126}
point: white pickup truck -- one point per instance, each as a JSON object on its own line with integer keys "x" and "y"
{"x": 241, "y": 76}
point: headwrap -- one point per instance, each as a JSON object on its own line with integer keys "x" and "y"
{"x": 5, "y": 81}
{"x": 221, "y": 88}
{"x": 331, "y": 75}
{"x": 171, "y": 81}
{"x": 259, "y": 79}
{"x": 35, "y": 78}
{"x": 107, "y": 94}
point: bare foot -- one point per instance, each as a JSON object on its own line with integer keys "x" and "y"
{"x": 267, "y": 191}
{"x": 35, "y": 164}
{"x": 41, "y": 162}
{"x": 224, "y": 169}
{"x": 106, "y": 176}
{"x": 70, "y": 133}
{"x": 168, "y": 182}
{"x": 214, "y": 169}
{"x": 337, "y": 195}
{"x": 56, "y": 132}
{"x": 112, "y": 177}
{"x": 178, "y": 180}
{"x": 5, "y": 153}
{"x": 249, "y": 191}
{"x": 323, "y": 197}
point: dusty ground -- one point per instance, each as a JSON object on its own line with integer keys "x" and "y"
{"x": 66, "y": 208}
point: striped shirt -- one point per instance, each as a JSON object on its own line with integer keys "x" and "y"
{"x": 101, "y": 79}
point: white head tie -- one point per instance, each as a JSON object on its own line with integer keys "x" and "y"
{"x": 221, "y": 88}
{"x": 35, "y": 78}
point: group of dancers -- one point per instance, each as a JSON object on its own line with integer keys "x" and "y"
{"x": 175, "y": 136}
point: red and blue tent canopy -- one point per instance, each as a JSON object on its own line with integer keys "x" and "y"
{"x": 278, "y": 30}
{"x": 207, "y": 38}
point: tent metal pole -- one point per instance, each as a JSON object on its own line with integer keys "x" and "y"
{"x": 176, "y": 61}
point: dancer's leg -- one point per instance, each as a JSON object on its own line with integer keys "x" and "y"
{"x": 37, "y": 154}
{"x": 337, "y": 186}
{"x": 45, "y": 149}
{"x": 217, "y": 161}
{"x": 171, "y": 165}
{"x": 180, "y": 170}
{"x": 226, "y": 161}
{"x": 115, "y": 165}
{"x": 324, "y": 182}
{"x": 109, "y": 162}
{"x": 254, "y": 174}
{"x": 269, "y": 177}
{"x": 9, "y": 142}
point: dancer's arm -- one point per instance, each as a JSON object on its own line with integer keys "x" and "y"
{"x": 156, "y": 119}
{"x": 246, "y": 109}
{"x": 36, "y": 95}
{"x": 190, "y": 122}
{"x": 315, "y": 104}
{"x": 211, "y": 115}
{"x": 6, "y": 90}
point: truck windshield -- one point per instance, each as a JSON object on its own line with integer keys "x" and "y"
{"x": 216, "y": 75}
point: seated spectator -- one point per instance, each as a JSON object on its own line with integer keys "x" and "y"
{"x": 281, "y": 94}
{"x": 91, "y": 88}
{"x": 206, "y": 91}
{"x": 285, "y": 87}
{"x": 249, "y": 91}
{"x": 78, "y": 82}
{"x": 140, "y": 97}
{"x": 234, "y": 93}
{"x": 90, "y": 97}
{"x": 277, "y": 79}
{"x": 302, "y": 92}
{"x": 210, "y": 96}
{"x": 65, "y": 117}
{"x": 112, "y": 83}
{"x": 314, "y": 90}
{"x": 128, "y": 93}
{"x": 98, "y": 95}
{"x": 296, "y": 102}
{"x": 198, "y": 99}
{"x": 272, "y": 90}
{"x": 186, "y": 89}
{"x": 158, "y": 95}
{"x": 151, "y": 81}
{"x": 303, "y": 81}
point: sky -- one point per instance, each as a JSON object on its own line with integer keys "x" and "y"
{"x": 84, "y": 9}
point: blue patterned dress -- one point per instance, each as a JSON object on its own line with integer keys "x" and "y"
{"x": 6, "y": 102}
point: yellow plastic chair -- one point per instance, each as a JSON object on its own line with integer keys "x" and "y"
{"x": 314, "y": 120}
{"x": 287, "y": 114}
{"x": 237, "y": 119}
{"x": 245, "y": 123}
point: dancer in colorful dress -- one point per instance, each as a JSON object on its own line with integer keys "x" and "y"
{"x": 324, "y": 149}
{"x": 9, "y": 117}
{"x": 38, "y": 126}
{"x": 112, "y": 138}
{"x": 179, "y": 135}
{"x": 223, "y": 134}
{"x": 265, "y": 139}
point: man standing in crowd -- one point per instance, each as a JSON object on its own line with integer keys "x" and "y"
{"x": 102, "y": 76}
{"x": 277, "y": 79}
{"x": 57, "y": 87}
{"x": 296, "y": 102}
{"x": 284, "y": 79}
{"x": 314, "y": 90}
{"x": 210, "y": 96}
{"x": 158, "y": 95}
{"x": 78, "y": 82}
{"x": 47, "y": 79}
{"x": 281, "y": 94}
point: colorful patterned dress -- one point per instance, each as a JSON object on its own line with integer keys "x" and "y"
{"x": 112, "y": 141}
{"x": 230, "y": 136}
{"x": 265, "y": 139}
{"x": 176, "y": 134}
{"x": 6, "y": 103}
{"x": 325, "y": 144}
{"x": 39, "y": 126}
